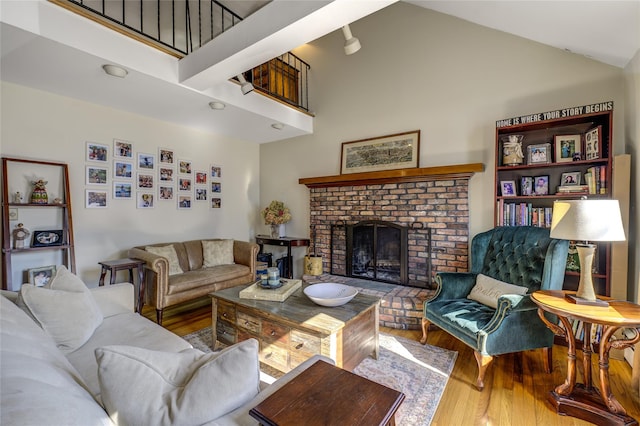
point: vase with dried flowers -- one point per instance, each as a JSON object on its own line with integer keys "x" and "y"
{"x": 276, "y": 215}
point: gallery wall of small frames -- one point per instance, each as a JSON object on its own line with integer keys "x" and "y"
{"x": 117, "y": 172}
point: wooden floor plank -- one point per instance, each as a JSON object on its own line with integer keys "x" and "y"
{"x": 516, "y": 386}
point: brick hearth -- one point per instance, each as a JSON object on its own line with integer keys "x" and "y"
{"x": 401, "y": 307}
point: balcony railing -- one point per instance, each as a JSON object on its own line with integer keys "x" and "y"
{"x": 180, "y": 27}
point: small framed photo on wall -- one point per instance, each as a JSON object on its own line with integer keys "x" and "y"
{"x": 216, "y": 171}
{"x": 184, "y": 201}
{"x": 146, "y": 162}
{"x": 96, "y": 175}
{"x": 201, "y": 177}
{"x": 165, "y": 193}
{"x": 184, "y": 167}
{"x": 145, "y": 181}
{"x": 122, "y": 190}
{"x": 508, "y": 188}
{"x": 122, "y": 149}
{"x": 96, "y": 199}
{"x": 166, "y": 157}
{"x": 216, "y": 203}
{"x": 145, "y": 200}
{"x": 97, "y": 152}
{"x": 201, "y": 194}
{"x": 122, "y": 169}
{"x": 541, "y": 185}
{"x": 567, "y": 146}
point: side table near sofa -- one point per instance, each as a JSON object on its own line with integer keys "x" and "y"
{"x": 114, "y": 266}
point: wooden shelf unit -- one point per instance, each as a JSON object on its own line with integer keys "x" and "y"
{"x": 544, "y": 132}
{"x": 67, "y": 246}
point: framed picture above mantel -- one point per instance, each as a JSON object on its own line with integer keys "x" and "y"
{"x": 391, "y": 152}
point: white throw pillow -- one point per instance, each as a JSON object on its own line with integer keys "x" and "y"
{"x": 217, "y": 252}
{"x": 143, "y": 387}
{"x": 64, "y": 308}
{"x": 488, "y": 290}
{"x": 169, "y": 253}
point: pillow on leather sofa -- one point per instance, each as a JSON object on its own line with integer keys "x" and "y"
{"x": 217, "y": 252}
{"x": 64, "y": 308}
{"x": 169, "y": 253}
{"x": 139, "y": 386}
{"x": 488, "y": 290}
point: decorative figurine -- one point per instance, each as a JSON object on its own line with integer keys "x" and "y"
{"x": 512, "y": 151}
{"x": 17, "y": 198}
{"x": 19, "y": 235}
{"x": 39, "y": 194}
{"x": 57, "y": 200}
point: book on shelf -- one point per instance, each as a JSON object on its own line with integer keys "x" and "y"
{"x": 596, "y": 179}
{"x": 523, "y": 214}
{"x": 573, "y": 189}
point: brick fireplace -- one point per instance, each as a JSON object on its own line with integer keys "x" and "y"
{"x": 436, "y": 198}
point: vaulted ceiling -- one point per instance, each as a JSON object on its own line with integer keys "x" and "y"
{"x": 37, "y": 50}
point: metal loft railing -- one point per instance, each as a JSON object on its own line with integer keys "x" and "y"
{"x": 285, "y": 78}
{"x": 179, "y": 27}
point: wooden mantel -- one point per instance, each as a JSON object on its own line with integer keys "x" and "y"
{"x": 394, "y": 176}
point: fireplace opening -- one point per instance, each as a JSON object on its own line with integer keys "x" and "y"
{"x": 377, "y": 250}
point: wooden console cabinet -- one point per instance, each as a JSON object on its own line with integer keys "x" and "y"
{"x": 292, "y": 331}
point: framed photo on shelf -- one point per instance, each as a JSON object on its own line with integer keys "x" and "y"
{"x": 96, "y": 199}
{"x": 570, "y": 178}
{"x": 539, "y": 153}
{"x": 526, "y": 185}
{"x": 97, "y": 152}
{"x": 391, "y": 152}
{"x": 96, "y": 175}
{"x": 541, "y": 185}
{"x": 508, "y": 188}
{"x": 41, "y": 276}
{"x": 567, "y": 146}
{"x": 47, "y": 238}
{"x": 592, "y": 142}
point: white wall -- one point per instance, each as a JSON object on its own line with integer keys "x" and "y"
{"x": 420, "y": 69}
{"x": 40, "y": 125}
{"x": 632, "y": 142}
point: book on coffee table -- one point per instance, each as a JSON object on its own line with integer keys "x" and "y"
{"x": 280, "y": 294}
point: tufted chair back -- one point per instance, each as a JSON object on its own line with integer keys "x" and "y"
{"x": 517, "y": 255}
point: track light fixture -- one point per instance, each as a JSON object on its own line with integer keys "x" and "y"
{"x": 352, "y": 44}
{"x": 245, "y": 86}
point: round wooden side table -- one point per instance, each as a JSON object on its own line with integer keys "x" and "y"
{"x": 583, "y": 400}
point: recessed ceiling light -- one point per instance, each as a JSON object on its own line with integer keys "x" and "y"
{"x": 115, "y": 71}
{"x": 217, "y": 105}
{"x": 278, "y": 126}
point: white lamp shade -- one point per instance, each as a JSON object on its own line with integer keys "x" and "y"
{"x": 587, "y": 220}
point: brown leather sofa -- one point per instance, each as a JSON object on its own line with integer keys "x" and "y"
{"x": 163, "y": 290}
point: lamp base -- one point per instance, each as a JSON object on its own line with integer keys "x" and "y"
{"x": 580, "y": 301}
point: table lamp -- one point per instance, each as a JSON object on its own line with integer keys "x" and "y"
{"x": 587, "y": 220}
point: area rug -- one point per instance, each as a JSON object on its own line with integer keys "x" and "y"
{"x": 419, "y": 371}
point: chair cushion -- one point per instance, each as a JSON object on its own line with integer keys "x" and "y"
{"x": 488, "y": 290}
{"x": 139, "y": 386}
{"x": 64, "y": 308}
{"x": 217, "y": 252}
{"x": 168, "y": 252}
{"x": 460, "y": 316}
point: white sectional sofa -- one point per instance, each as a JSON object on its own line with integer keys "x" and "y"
{"x": 120, "y": 374}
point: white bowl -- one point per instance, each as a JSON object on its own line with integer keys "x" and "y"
{"x": 330, "y": 294}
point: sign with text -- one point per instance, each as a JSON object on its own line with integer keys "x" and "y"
{"x": 558, "y": 113}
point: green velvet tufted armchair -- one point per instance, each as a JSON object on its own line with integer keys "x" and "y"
{"x": 520, "y": 255}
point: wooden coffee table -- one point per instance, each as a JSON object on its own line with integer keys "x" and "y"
{"x": 327, "y": 395}
{"x": 292, "y": 331}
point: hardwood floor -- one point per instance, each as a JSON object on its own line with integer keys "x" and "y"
{"x": 516, "y": 386}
